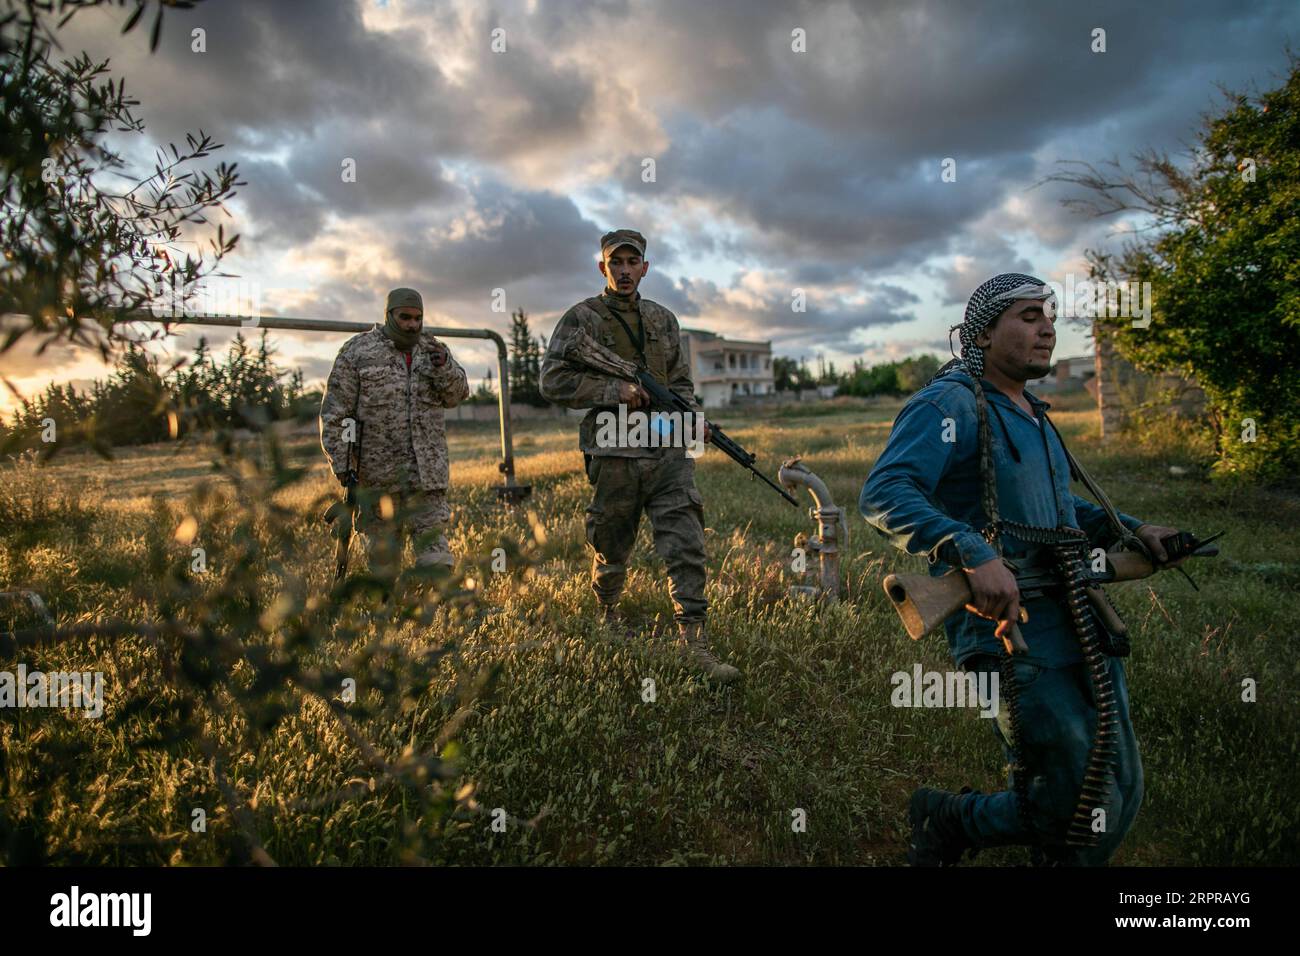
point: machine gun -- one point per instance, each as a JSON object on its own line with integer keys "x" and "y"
{"x": 924, "y": 603}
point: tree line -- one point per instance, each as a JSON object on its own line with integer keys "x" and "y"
{"x": 140, "y": 403}
{"x": 862, "y": 380}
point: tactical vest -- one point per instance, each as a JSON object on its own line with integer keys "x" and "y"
{"x": 625, "y": 338}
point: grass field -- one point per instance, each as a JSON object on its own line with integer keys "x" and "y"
{"x": 586, "y": 769}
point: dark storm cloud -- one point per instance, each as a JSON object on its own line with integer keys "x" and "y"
{"x": 270, "y": 72}
{"x": 383, "y": 175}
{"x": 836, "y": 324}
{"x": 536, "y": 246}
{"x": 524, "y": 235}
{"x": 939, "y": 77}
{"x": 284, "y": 211}
{"x": 906, "y": 83}
{"x": 831, "y": 200}
{"x": 832, "y": 154}
{"x": 675, "y": 296}
{"x": 821, "y": 168}
{"x": 977, "y": 261}
{"x": 828, "y": 322}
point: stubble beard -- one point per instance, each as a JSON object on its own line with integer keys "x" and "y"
{"x": 1036, "y": 369}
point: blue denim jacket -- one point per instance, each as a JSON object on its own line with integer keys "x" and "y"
{"x": 924, "y": 495}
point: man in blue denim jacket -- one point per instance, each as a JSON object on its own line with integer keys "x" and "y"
{"x": 925, "y": 495}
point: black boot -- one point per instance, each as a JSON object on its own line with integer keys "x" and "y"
{"x": 938, "y": 838}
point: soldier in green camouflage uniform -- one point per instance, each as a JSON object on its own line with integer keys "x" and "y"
{"x": 629, "y": 480}
{"x": 395, "y": 380}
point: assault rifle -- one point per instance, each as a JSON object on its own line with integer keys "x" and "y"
{"x": 924, "y": 602}
{"x": 583, "y": 350}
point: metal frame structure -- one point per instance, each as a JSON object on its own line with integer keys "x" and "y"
{"x": 511, "y": 492}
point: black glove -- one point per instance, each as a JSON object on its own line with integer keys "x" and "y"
{"x": 347, "y": 479}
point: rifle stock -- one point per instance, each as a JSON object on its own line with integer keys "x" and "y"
{"x": 924, "y": 603}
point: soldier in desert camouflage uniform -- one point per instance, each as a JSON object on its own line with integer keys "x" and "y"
{"x": 395, "y": 380}
{"x": 628, "y": 479}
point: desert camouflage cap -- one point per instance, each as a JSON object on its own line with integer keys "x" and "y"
{"x": 622, "y": 237}
{"x": 404, "y": 299}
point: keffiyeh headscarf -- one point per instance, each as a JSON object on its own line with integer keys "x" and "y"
{"x": 986, "y": 304}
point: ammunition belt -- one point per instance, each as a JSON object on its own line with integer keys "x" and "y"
{"x": 1101, "y": 754}
{"x": 1069, "y": 548}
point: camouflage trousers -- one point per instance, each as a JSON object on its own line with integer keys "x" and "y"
{"x": 386, "y": 517}
{"x": 665, "y": 489}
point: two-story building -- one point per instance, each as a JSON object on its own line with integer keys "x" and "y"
{"x": 727, "y": 369}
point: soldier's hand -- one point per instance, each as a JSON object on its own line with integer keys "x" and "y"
{"x": 633, "y": 395}
{"x": 438, "y": 354}
{"x": 994, "y": 594}
{"x": 708, "y": 432}
{"x": 346, "y": 478}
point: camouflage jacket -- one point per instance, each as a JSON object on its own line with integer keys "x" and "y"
{"x": 576, "y": 386}
{"x": 400, "y": 410}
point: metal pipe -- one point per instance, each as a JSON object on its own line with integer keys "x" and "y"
{"x": 510, "y": 492}
{"x": 832, "y": 529}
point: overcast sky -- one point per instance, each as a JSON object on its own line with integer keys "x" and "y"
{"x": 774, "y": 169}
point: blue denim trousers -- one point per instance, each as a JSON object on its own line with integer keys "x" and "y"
{"x": 1057, "y": 719}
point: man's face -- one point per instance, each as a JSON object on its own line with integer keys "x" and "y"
{"x": 623, "y": 269}
{"x": 1020, "y": 341}
{"x": 409, "y": 318}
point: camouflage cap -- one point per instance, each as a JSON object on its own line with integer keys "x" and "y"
{"x": 404, "y": 299}
{"x": 622, "y": 237}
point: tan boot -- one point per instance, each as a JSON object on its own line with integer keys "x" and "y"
{"x": 698, "y": 647}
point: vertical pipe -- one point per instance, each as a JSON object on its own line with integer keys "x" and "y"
{"x": 832, "y": 532}
{"x": 509, "y": 492}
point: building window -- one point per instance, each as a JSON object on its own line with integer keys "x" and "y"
{"x": 731, "y": 361}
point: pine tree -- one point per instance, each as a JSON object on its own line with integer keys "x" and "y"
{"x": 525, "y": 362}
